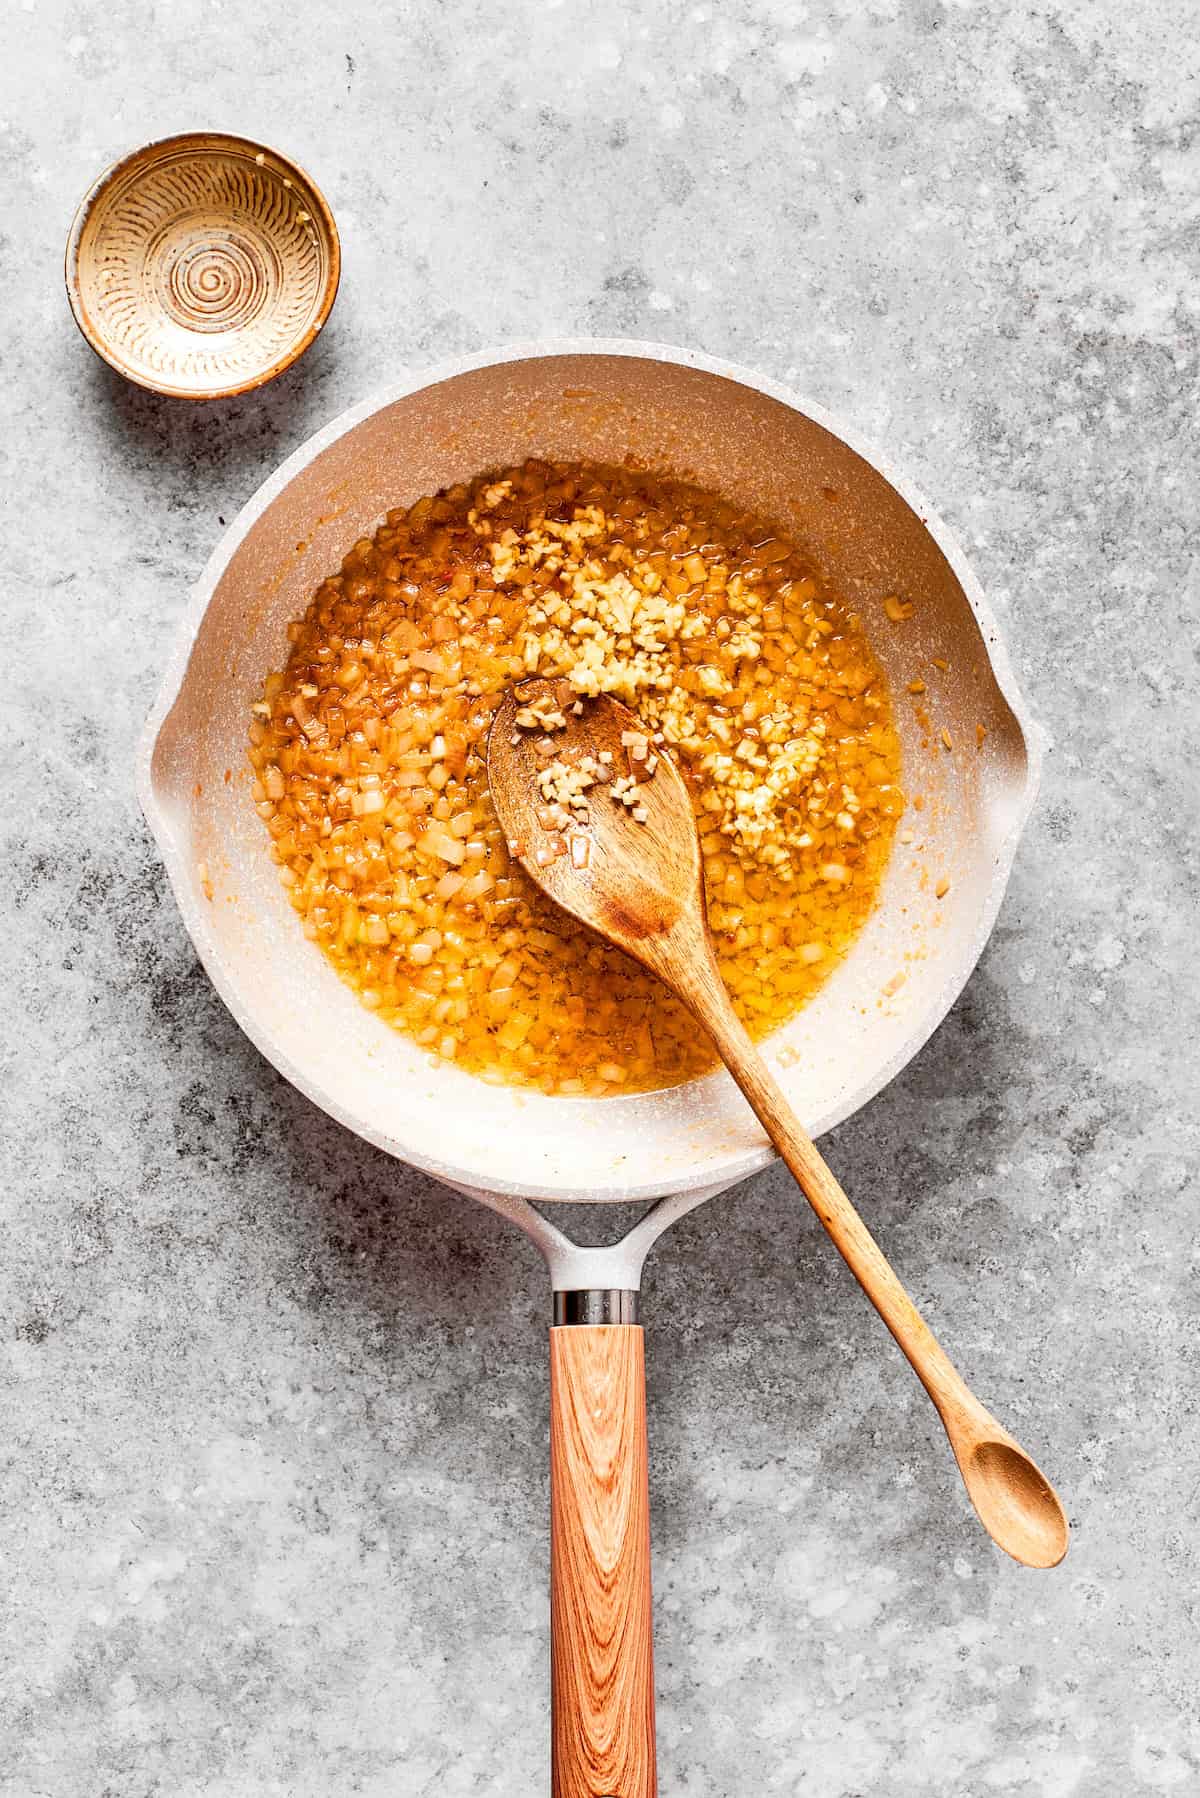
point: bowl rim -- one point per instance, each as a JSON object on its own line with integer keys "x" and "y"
{"x": 211, "y": 140}
{"x": 737, "y": 1165}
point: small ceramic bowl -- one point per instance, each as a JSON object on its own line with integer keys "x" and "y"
{"x": 202, "y": 266}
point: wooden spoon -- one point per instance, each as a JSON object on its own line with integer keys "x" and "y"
{"x": 640, "y": 884}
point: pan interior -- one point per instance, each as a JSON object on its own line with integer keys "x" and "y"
{"x": 912, "y": 956}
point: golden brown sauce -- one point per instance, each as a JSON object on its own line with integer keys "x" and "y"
{"x": 370, "y": 755}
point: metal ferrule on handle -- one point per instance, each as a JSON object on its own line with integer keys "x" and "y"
{"x": 597, "y": 1305}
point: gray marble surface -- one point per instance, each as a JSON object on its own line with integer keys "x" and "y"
{"x": 273, "y": 1408}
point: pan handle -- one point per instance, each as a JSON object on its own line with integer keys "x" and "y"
{"x": 601, "y": 1633}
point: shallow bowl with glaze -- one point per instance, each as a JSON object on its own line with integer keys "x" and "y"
{"x": 203, "y": 265}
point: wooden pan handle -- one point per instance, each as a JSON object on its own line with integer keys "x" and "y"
{"x": 601, "y": 1644}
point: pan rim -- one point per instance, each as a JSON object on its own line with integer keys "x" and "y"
{"x": 736, "y": 1165}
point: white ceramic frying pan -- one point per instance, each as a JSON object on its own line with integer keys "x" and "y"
{"x": 871, "y": 536}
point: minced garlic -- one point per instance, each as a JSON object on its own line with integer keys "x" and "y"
{"x": 566, "y": 783}
{"x": 605, "y": 620}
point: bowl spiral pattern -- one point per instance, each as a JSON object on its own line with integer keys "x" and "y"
{"x": 203, "y": 266}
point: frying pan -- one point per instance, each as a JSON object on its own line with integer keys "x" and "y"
{"x": 971, "y": 759}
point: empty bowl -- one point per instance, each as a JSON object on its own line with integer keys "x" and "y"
{"x": 202, "y": 266}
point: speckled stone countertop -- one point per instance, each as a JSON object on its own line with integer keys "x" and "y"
{"x": 274, "y": 1408}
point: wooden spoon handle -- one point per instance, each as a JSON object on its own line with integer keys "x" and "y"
{"x": 601, "y": 1643}
{"x": 706, "y": 994}
{"x": 1014, "y": 1501}
{"x": 1010, "y": 1493}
